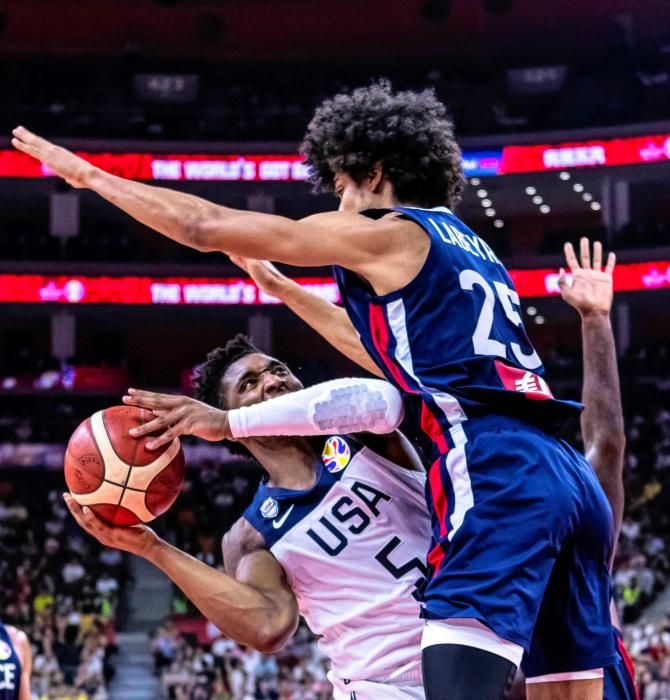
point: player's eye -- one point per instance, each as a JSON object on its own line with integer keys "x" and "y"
{"x": 247, "y": 384}
{"x": 281, "y": 371}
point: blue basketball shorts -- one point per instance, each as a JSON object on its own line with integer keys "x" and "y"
{"x": 522, "y": 539}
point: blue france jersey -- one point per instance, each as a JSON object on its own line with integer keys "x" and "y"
{"x": 10, "y": 667}
{"x": 453, "y": 338}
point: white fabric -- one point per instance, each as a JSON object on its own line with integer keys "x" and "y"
{"x": 369, "y": 690}
{"x": 448, "y": 404}
{"x": 470, "y": 633}
{"x": 571, "y": 676}
{"x": 340, "y": 406}
{"x": 366, "y": 617}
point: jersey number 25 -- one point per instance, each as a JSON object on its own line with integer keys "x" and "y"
{"x": 482, "y": 341}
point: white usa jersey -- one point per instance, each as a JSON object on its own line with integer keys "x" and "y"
{"x": 353, "y": 548}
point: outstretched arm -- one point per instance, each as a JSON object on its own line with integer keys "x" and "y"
{"x": 602, "y": 423}
{"x": 351, "y": 240}
{"x": 330, "y": 321}
{"x": 256, "y": 607}
{"x": 339, "y": 406}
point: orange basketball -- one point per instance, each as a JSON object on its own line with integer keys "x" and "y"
{"x": 115, "y": 475}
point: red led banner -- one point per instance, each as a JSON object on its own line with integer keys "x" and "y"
{"x": 290, "y": 168}
{"x": 624, "y": 151}
{"x": 237, "y": 291}
{"x": 82, "y": 289}
{"x": 151, "y": 166}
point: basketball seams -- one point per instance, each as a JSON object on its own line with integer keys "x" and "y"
{"x": 87, "y": 426}
{"x": 132, "y": 461}
{"x": 102, "y": 458}
{"x": 142, "y": 477}
{"x": 115, "y": 467}
{"x": 109, "y": 432}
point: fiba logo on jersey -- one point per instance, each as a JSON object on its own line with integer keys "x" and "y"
{"x": 336, "y": 454}
{"x": 269, "y": 508}
{"x": 5, "y": 651}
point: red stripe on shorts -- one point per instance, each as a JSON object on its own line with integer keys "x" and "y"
{"x": 630, "y": 667}
{"x": 439, "y": 496}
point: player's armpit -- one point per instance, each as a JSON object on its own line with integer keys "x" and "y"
{"x": 395, "y": 448}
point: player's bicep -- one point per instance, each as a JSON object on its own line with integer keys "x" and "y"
{"x": 322, "y": 239}
{"x": 246, "y": 559}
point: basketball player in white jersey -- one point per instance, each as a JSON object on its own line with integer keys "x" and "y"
{"x": 336, "y": 533}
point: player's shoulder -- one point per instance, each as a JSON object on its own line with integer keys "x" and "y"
{"x": 19, "y": 638}
{"x": 372, "y": 223}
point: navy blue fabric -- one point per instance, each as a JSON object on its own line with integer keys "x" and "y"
{"x": 531, "y": 557}
{"x": 10, "y": 667}
{"x": 441, "y": 318}
{"x": 300, "y": 502}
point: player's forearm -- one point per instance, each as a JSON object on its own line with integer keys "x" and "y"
{"x": 602, "y": 420}
{"x": 240, "y": 611}
{"x": 176, "y": 215}
{"x": 352, "y": 405}
{"x": 328, "y": 320}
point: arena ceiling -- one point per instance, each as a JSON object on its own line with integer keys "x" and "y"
{"x": 472, "y": 29}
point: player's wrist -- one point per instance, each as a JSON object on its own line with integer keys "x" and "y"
{"x": 151, "y": 547}
{"x": 595, "y": 315}
{"x": 91, "y": 177}
{"x": 224, "y": 430}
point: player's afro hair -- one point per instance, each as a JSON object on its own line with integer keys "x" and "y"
{"x": 207, "y": 380}
{"x": 408, "y": 132}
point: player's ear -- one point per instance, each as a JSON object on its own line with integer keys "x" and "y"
{"x": 375, "y": 177}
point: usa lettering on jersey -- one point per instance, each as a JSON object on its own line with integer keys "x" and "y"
{"x": 332, "y": 540}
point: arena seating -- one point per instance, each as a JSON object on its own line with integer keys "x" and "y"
{"x": 59, "y": 586}
{"x": 97, "y": 98}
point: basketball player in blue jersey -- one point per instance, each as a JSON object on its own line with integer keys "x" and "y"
{"x": 15, "y": 664}
{"x": 521, "y": 528}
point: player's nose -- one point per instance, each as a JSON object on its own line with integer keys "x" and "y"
{"x": 273, "y": 386}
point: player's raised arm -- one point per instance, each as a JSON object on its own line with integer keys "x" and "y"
{"x": 591, "y": 294}
{"x": 342, "y": 406}
{"x": 339, "y": 238}
{"x": 328, "y": 320}
{"x": 256, "y": 608}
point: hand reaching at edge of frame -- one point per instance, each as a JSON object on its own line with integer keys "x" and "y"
{"x": 592, "y": 289}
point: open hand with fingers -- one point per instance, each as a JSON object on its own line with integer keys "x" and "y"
{"x": 74, "y": 170}
{"x": 592, "y": 289}
{"x": 136, "y": 539}
{"x": 177, "y": 415}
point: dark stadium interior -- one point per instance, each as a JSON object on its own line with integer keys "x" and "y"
{"x": 229, "y": 78}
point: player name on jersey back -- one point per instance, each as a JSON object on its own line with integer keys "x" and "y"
{"x": 353, "y": 548}
{"x": 468, "y": 242}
